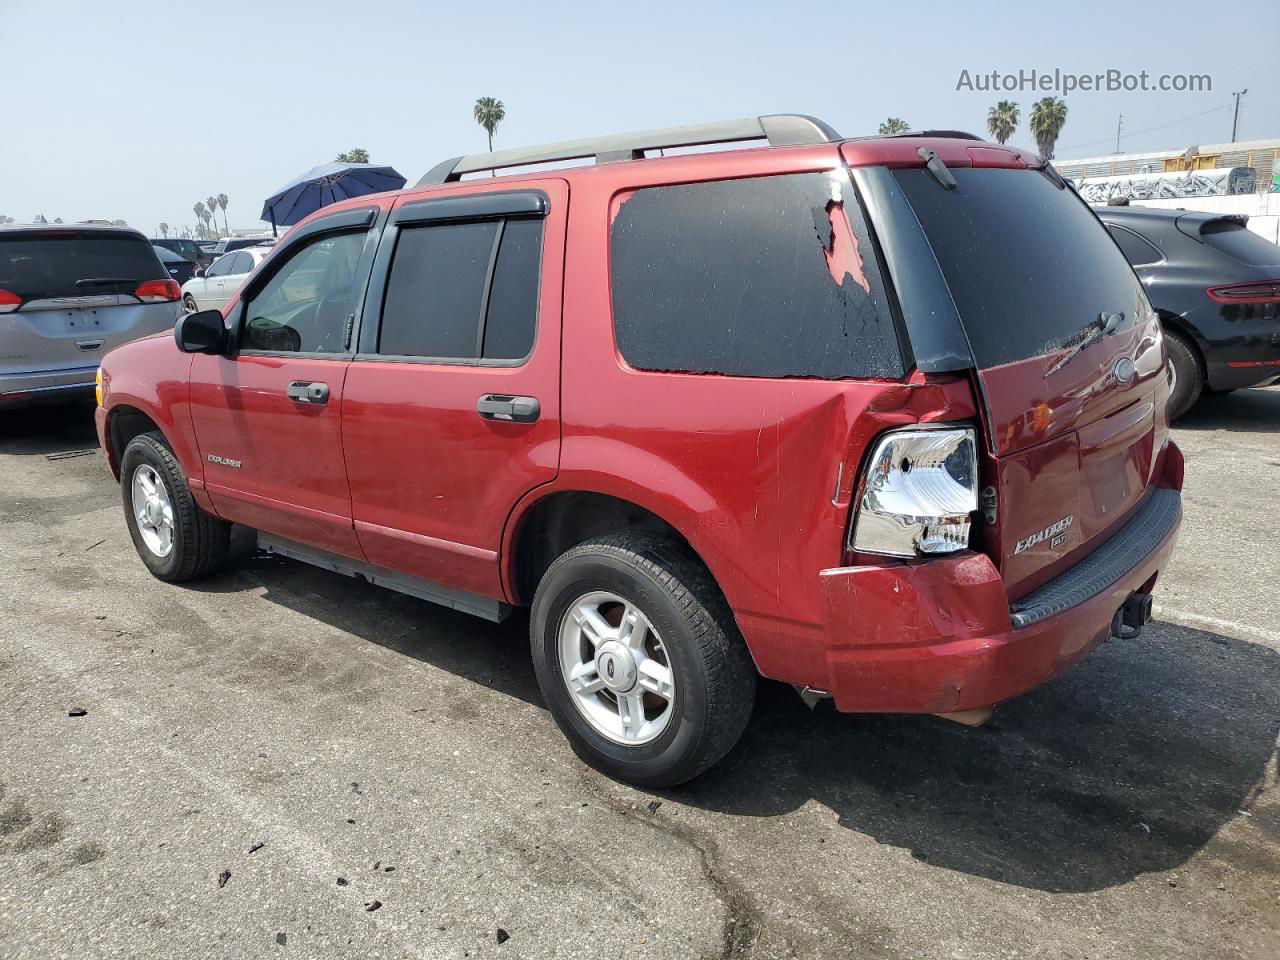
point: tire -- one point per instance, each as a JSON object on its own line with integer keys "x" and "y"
{"x": 1188, "y": 374}
{"x": 189, "y": 303}
{"x": 196, "y": 542}
{"x": 691, "y": 631}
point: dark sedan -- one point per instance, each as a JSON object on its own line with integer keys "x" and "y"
{"x": 1216, "y": 287}
{"x": 180, "y": 268}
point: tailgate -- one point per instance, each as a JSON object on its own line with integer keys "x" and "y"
{"x": 1068, "y": 354}
{"x": 55, "y": 335}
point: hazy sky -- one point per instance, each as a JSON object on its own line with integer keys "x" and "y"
{"x": 132, "y": 109}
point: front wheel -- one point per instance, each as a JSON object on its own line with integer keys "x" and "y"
{"x": 173, "y": 536}
{"x": 639, "y": 659}
{"x": 189, "y": 303}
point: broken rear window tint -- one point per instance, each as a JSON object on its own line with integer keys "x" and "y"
{"x": 762, "y": 277}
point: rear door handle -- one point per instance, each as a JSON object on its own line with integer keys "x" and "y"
{"x": 501, "y": 406}
{"x": 308, "y": 391}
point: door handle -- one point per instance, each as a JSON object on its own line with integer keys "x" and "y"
{"x": 308, "y": 391}
{"x": 501, "y": 406}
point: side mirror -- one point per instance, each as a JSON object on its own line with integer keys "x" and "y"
{"x": 202, "y": 332}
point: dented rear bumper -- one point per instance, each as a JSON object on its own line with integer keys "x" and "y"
{"x": 939, "y": 636}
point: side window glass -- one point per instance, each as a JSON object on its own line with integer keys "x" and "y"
{"x": 436, "y": 289}
{"x": 1136, "y": 250}
{"x": 512, "y": 314}
{"x": 218, "y": 267}
{"x": 303, "y": 307}
{"x": 764, "y": 277}
{"x": 243, "y": 263}
{"x": 462, "y": 291}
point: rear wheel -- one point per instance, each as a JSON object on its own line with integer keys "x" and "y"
{"x": 1188, "y": 374}
{"x": 639, "y": 659}
{"x": 189, "y": 303}
{"x": 173, "y": 536}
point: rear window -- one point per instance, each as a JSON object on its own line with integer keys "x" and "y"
{"x": 763, "y": 277}
{"x": 1028, "y": 264}
{"x": 1240, "y": 243}
{"x": 40, "y": 266}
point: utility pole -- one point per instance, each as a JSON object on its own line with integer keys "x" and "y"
{"x": 1119, "y": 124}
{"x": 1235, "y": 117}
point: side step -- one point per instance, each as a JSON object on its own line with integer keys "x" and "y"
{"x": 472, "y": 603}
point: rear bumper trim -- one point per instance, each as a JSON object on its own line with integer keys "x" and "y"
{"x": 1106, "y": 565}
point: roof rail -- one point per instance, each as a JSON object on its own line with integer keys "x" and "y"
{"x": 780, "y": 129}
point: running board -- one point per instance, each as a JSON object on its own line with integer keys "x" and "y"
{"x": 472, "y": 603}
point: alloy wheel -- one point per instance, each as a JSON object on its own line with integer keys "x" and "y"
{"x": 616, "y": 668}
{"x": 153, "y": 509}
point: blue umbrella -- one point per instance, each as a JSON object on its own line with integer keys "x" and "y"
{"x": 326, "y": 184}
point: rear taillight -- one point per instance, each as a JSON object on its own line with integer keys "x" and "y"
{"x": 920, "y": 491}
{"x": 9, "y": 302}
{"x": 1265, "y": 291}
{"x": 158, "y": 291}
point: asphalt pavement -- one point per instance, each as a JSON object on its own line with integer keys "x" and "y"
{"x": 280, "y": 761}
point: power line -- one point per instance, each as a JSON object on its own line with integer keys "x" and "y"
{"x": 1134, "y": 133}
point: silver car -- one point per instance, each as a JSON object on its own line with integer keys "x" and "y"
{"x": 68, "y": 294}
{"x": 222, "y": 279}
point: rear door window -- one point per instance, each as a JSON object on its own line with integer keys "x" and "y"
{"x": 761, "y": 277}
{"x": 1026, "y": 261}
{"x": 40, "y": 266}
{"x": 1240, "y": 243}
{"x": 463, "y": 291}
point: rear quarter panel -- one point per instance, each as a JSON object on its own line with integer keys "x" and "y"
{"x": 757, "y": 474}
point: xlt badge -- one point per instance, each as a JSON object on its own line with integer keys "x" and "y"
{"x": 223, "y": 461}
{"x": 1052, "y": 530}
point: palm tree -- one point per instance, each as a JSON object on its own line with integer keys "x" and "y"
{"x": 1002, "y": 120}
{"x": 164, "y": 230}
{"x": 893, "y": 126}
{"x": 222, "y": 204}
{"x": 201, "y": 213}
{"x": 1048, "y": 117}
{"x": 354, "y": 155}
{"x": 211, "y": 204}
{"x": 489, "y": 112}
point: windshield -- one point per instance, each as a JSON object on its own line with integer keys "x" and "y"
{"x": 1029, "y": 266}
{"x": 40, "y": 266}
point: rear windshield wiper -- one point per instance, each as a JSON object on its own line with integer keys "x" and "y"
{"x": 933, "y": 163}
{"x": 1091, "y": 333}
{"x": 104, "y": 281}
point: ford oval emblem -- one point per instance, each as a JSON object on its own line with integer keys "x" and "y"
{"x": 1123, "y": 370}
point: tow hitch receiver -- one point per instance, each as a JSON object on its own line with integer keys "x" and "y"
{"x": 1133, "y": 615}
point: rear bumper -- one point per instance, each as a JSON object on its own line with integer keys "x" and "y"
{"x": 19, "y": 389}
{"x": 939, "y": 637}
{"x": 1225, "y": 376}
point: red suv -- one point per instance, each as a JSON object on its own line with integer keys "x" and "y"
{"x": 881, "y": 418}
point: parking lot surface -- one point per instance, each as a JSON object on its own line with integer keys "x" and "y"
{"x": 412, "y": 798}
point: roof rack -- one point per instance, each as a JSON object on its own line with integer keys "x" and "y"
{"x": 780, "y": 129}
